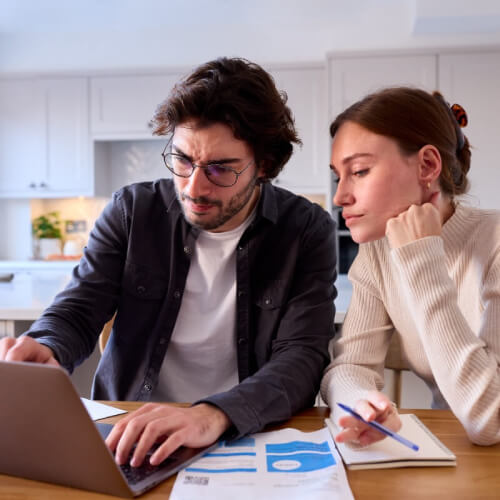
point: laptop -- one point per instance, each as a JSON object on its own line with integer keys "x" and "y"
{"x": 47, "y": 435}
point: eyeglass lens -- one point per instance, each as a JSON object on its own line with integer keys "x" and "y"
{"x": 218, "y": 174}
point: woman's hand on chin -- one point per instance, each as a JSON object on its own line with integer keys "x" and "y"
{"x": 418, "y": 221}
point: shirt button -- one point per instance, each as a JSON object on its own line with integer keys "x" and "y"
{"x": 240, "y": 248}
{"x": 177, "y": 294}
{"x": 267, "y": 301}
{"x": 241, "y": 293}
{"x": 187, "y": 250}
{"x": 242, "y": 341}
{"x": 147, "y": 387}
{"x": 141, "y": 289}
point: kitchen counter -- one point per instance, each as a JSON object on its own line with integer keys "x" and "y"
{"x": 34, "y": 286}
{"x": 30, "y": 292}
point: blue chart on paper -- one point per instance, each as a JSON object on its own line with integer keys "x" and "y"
{"x": 298, "y": 456}
{"x": 242, "y": 458}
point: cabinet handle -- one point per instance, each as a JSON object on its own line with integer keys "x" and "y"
{"x": 43, "y": 185}
{"x": 150, "y": 125}
{"x": 32, "y": 185}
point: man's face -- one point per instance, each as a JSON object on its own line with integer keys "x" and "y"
{"x": 204, "y": 204}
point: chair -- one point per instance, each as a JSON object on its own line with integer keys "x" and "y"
{"x": 106, "y": 331}
{"x": 395, "y": 362}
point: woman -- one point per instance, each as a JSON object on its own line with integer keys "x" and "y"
{"x": 428, "y": 267}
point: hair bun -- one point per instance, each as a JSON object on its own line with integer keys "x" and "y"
{"x": 459, "y": 114}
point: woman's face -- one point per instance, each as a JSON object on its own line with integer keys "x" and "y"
{"x": 375, "y": 181}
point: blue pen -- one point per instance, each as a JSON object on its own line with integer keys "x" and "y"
{"x": 380, "y": 428}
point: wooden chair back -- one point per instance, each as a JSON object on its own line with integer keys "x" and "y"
{"x": 106, "y": 331}
{"x": 394, "y": 361}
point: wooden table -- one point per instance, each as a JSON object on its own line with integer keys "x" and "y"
{"x": 476, "y": 476}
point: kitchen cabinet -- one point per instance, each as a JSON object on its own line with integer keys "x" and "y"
{"x": 472, "y": 79}
{"x": 307, "y": 170}
{"x": 122, "y": 106}
{"x": 350, "y": 78}
{"x": 44, "y": 138}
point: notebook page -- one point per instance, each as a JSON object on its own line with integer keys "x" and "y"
{"x": 389, "y": 450}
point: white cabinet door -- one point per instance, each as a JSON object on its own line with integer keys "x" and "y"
{"x": 307, "y": 169}
{"x": 22, "y": 136}
{"x": 68, "y": 168}
{"x": 473, "y": 80}
{"x": 122, "y": 106}
{"x": 44, "y": 138}
{"x": 351, "y": 78}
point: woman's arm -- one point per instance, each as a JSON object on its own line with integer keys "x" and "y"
{"x": 465, "y": 364}
{"x": 356, "y": 372}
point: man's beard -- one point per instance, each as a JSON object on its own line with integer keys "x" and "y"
{"x": 225, "y": 212}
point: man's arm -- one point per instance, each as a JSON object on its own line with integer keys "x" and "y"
{"x": 71, "y": 324}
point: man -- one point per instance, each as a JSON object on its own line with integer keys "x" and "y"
{"x": 222, "y": 283}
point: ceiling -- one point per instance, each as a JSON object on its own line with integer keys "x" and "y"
{"x": 38, "y": 35}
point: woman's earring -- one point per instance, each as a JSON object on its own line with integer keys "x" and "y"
{"x": 428, "y": 185}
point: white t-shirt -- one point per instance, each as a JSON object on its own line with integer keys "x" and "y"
{"x": 201, "y": 358}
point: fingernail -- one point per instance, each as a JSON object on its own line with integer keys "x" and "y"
{"x": 134, "y": 462}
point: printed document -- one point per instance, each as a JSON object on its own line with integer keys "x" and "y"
{"x": 271, "y": 465}
{"x": 98, "y": 410}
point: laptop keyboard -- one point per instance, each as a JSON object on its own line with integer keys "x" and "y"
{"x": 137, "y": 474}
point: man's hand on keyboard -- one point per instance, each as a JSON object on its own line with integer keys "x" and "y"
{"x": 172, "y": 426}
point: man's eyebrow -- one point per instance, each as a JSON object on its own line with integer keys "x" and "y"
{"x": 220, "y": 161}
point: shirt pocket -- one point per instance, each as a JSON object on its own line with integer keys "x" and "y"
{"x": 271, "y": 295}
{"x": 142, "y": 283}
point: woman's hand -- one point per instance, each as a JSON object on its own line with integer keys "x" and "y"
{"x": 376, "y": 407}
{"x": 417, "y": 222}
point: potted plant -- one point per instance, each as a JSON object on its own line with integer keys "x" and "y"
{"x": 47, "y": 235}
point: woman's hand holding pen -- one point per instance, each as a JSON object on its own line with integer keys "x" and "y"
{"x": 376, "y": 407}
{"x": 418, "y": 221}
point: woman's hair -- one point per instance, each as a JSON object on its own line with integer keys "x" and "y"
{"x": 243, "y": 96}
{"x": 415, "y": 118}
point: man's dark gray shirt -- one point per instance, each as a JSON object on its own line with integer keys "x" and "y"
{"x": 136, "y": 263}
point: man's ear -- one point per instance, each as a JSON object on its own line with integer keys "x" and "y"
{"x": 261, "y": 171}
{"x": 429, "y": 164}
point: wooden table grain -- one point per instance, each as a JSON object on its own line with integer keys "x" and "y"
{"x": 476, "y": 476}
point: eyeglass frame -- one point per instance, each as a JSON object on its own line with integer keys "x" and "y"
{"x": 164, "y": 154}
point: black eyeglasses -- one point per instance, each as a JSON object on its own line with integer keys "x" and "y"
{"x": 220, "y": 175}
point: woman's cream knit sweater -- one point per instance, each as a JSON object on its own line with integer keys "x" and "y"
{"x": 441, "y": 296}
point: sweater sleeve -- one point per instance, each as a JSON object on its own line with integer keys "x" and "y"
{"x": 465, "y": 364}
{"x": 358, "y": 355}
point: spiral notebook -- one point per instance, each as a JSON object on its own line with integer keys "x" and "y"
{"x": 388, "y": 453}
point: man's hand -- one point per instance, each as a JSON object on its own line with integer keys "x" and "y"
{"x": 26, "y": 349}
{"x": 417, "y": 222}
{"x": 376, "y": 407}
{"x": 196, "y": 426}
